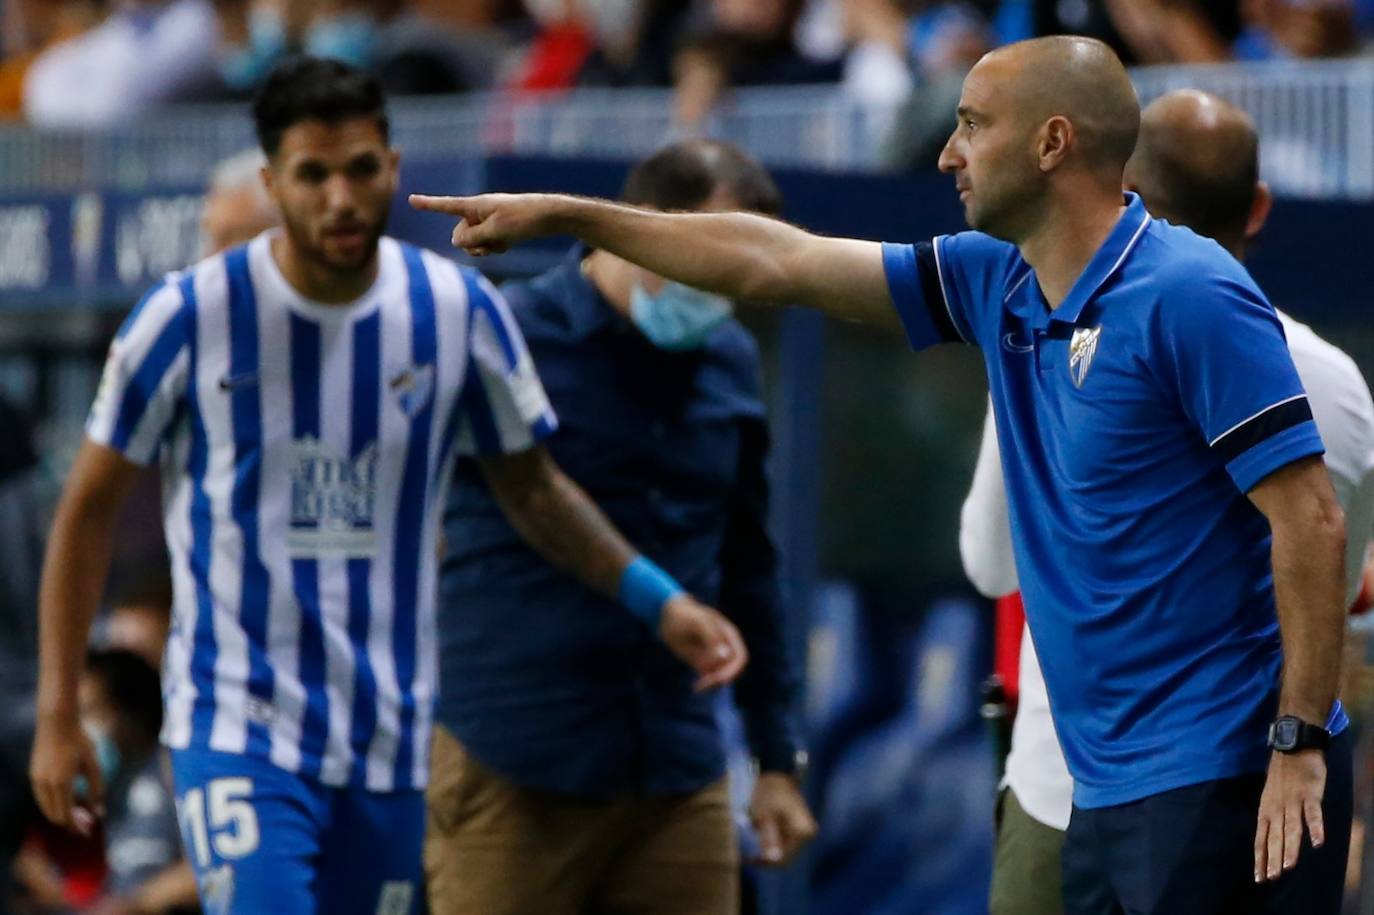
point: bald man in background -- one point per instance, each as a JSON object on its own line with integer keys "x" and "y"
{"x": 237, "y": 208}
{"x": 1196, "y": 164}
{"x": 1142, "y": 386}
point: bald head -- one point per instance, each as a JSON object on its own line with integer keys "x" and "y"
{"x": 1197, "y": 165}
{"x": 1082, "y": 80}
{"x": 237, "y": 207}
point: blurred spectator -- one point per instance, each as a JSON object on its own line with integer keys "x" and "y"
{"x": 469, "y": 14}
{"x": 145, "y": 53}
{"x": 1140, "y": 31}
{"x": 635, "y": 43}
{"x": 1296, "y": 28}
{"x": 940, "y": 41}
{"x": 133, "y": 864}
{"x": 411, "y": 51}
{"x": 237, "y": 208}
{"x": 601, "y": 43}
{"x": 253, "y": 36}
{"x": 560, "y": 48}
{"x": 31, "y": 27}
{"x": 121, "y": 706}
{"x": 139, "y": 621}
{"x": 900, "y": 45}
{"x": 741, "y": 43}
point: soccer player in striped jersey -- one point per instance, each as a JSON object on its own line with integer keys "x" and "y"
{"x": 306, "y": 395}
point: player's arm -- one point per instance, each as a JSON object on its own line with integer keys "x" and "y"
{"x": 1309, "y": 582}
{"x": 74, "y": 570}
{"x": 557, "y": 518}
{"x": 1308, "y": 556}
{"x": 740, "y": 255}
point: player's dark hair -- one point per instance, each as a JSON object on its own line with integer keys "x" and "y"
{"x": 315, "y": 89}
{"x": 132, "y": 685}
{"x": 684, "y": 175}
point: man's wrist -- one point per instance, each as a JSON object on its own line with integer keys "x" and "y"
{"x": 645, "y": 590}
{"x": 791, "y": 761}
{"x": 570, "y": 215}
{"x": 58, "y": 708}
{"x": 1291, "y": 734}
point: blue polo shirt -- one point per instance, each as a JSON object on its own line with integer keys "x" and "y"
{"x": 1133, "y": 419}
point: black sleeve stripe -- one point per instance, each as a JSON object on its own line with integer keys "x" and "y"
{"x": 934, "y": 293}
{"x": 1262, "y": 426}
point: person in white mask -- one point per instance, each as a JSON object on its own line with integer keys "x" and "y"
{"x": 575, "y": 769}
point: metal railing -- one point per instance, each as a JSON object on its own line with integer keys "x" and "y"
{"x": 1316, "y": 121}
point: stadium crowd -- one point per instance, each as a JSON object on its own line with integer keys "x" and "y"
{"x": 87, "y": 63}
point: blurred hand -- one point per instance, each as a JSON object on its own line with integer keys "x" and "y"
{"x": 879, "y": 21}
{"x": 491, "y": 223}
{"x": 61, "y": 752}
{"x": 1292, "y": 794}
{"x": 704, "y": 639}
{"x": 120, "y": 905}
{"x": 781, "y": 817}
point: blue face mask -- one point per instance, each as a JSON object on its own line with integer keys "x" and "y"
{"x": 106, "y": 756}
{"x": 347, "y": 38}
{"x": 245, "y": 67}
{"x": 107, "y": 753}
{"x": 678, "y": 317}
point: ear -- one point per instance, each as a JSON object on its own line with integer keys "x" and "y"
{"x": 1259, "y": 210}
{"x": 269, "y": 180}
{"x": 1055, "y": 141}
{"x": 394, "y": 161}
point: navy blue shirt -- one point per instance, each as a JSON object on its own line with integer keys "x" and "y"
{"x": 1133, "y": 418}
{"x": 552, "y": 685}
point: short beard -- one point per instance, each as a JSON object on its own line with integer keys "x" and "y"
{"x": 1012, "y": 219}
{"x": 315, "y": 255}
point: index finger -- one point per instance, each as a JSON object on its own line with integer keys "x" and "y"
{"x": 453, "y": 206}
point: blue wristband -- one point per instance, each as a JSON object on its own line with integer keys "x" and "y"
{"x": 645, "y": 588}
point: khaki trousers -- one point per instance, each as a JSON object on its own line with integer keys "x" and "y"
{"x": 494, "y": 848}
{"x": 1026, "y": 873}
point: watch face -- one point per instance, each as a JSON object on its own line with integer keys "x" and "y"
{"x": 1285, "y": 733}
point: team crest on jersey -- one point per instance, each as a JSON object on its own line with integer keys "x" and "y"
{"x": 1082, "y": 349}
{"x": 333, "y": 498}
{"x": 413, "y": 387}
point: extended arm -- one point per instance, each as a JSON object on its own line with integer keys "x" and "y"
{"x": 555, "y": 516}
{"x": 74, "y": 571}
{"x": 740, "y": 255}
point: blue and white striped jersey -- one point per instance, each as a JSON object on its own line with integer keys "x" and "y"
{"x": 305, "y": 449}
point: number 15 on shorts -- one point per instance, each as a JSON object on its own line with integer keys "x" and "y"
{"x": 219, "y": 816}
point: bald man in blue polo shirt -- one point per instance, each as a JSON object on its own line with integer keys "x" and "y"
{"x": 1176, "y": 534}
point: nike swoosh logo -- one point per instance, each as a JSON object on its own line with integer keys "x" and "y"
{"x": 1009, "y": 341}
{"x": 233, "y": 382}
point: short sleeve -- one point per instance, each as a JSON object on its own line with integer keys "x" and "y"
{"x": 145, "y": 374}
{"x": 503, "y": 408}
{"x": 1235, "y": 377}
{"x": 947, "y": 289}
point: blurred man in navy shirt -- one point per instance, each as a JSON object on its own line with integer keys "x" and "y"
{"x": 575, "y": 769}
